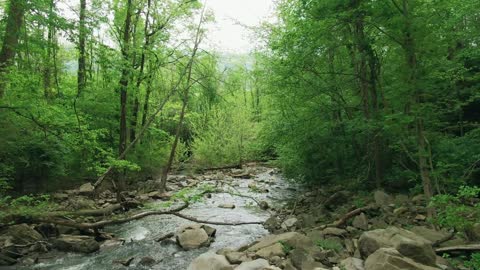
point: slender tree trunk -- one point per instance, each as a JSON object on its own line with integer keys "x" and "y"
{"x": 16, "y": 11}
{"x": 123, "y": 86}
{"x": 412, "y": 63}
{"x": 82, "y": 73}
{"x": 136, "y": 105}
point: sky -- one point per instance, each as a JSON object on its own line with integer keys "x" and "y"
{"x": 228, "y": 34}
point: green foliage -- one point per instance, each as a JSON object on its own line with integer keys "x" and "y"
{"x": 458, "y": 211}
{"x": 26, "y": 206}
{"x": 329, "y": 245}
{"x": 474, "y": 262}
{"x": 287, "y": 248}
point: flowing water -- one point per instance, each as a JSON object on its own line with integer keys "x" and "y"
{"x": 140, "y": 234}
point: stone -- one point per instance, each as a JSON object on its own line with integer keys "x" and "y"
{"x": 429, "y": 234}
{"x": 264, "y": 205}
{"x": 352, "y": 264}
{"x": 302, "y": 260}
{"x": 401, "y": 199}
{"x": 76, "y": 243}
{"x": 334, "y": 231}
{"x": 157, "y": 195}
{"x": 400, "y": 210}
{"x": 192, "y": 237}
{"x": 419, "y": 199}
{"x": 407, "y": 243}
{"x": 258, "y": 264}
{"x": 227, "y": 206}
{"x": 47, "y": 230}
{"x": 292, "y": 239}
{"x": 382, "y": 199}
{"x": 209, "y": 230}
{"x": 86, "y": 189}
{"x": 391, "y": 259}
{"x": 21, "y": 234}
{"x": 420, "y": 217}
{"x": 210, "y": 261}
{"x": 271, "y": 251}
{"x": 360, "y": 222}
{"x": 147, "y": 261}
{"x": 237, "y": 257}
{"x": 289, "y": 223}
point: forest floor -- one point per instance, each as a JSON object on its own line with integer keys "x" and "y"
{"x": 221, "y": 216}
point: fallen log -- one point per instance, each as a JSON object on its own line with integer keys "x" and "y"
{"x": 472, "y": 247}
{"x": 351, "y": 214}
{"x": 90, "y": 212}
{"x": 216, "y": 222}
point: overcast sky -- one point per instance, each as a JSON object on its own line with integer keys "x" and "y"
{"x": 227, "y": 33}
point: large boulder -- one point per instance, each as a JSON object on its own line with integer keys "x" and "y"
{"x": 292, "y": 239}
{"x": 391, "y": 259}
{"x": 86, "y": 189}
{"x": 76, "y": 243}
{"x": 210, "y": 261}
{"x": 360, "y": 222}
{"x": 258, "y": 264}
{"x": 352, "y": 264}
{"x": 276, "y": 249}
{"x": 192, "y": 236}
{"x": 382, "y": 199}
{"x": 407, "y": 243}
{"x": 21, "y": 234}
{"x": 302, "y": 260}
{"x": 429, "y": 234}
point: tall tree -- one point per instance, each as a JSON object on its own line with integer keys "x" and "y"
{"x": 15, "y": 14}
{"x": 82, "y": 62}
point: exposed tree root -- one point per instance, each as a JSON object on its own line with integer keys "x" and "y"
{"x": 472, "y": 247}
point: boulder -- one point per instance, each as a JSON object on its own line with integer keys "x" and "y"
{"x": 236, "y": 257}
{"x": 382, "y": 199}
{"x": 292, "y": 239}
{"x": 21, "y": 234}
{"x": 289, "y": 223}
{"x": 334, "y": 231}
{"x": 86, "y": 189}
{"x": 407, "y": 243}
{"x": 192, "y": 237}
{"x": 391, "y": 259}
{"x": 258, "y": 264}
{"x": 263, "y": 205}
{"x": 147, "y": 261}
{"x": 352, "y": 264}
{"x": 360, "y": 222}
{"x": 76, "y": 243}
{"x": 419, "y": 199}
{"x": 271, "y": 251}
{"x": 429, "y": 234}
{"x": 302, "y": 260}
{"x": 210, "y": 261}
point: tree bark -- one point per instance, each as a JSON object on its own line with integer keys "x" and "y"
{"x": 82, "y": 73}
{"x": 16, "y": 12}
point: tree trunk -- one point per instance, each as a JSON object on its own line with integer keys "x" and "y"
{"x": 123, "y": 86}
{"x": 16, "y": 11}
{"x": 82, "y": 73}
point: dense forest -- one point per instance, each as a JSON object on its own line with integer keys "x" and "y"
{"x": 360, "y": 94}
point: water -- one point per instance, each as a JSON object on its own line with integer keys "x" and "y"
{"x": 140, "y": 234}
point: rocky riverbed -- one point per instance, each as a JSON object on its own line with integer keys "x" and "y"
{"x": 285, "y": 227}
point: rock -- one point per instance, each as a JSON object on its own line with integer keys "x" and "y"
{"x": 258, "y": 264}
{"x": 352, "y": 264}
{"x": 429, "y": 234}
{"x": 289, "y": 223}
{"x": 76, "y": 243}
{"x": 224, "y": 251}
{"x": 192, "y": 237}
{"x": 147, "y": 261}
{"x": 419, "y": 199}
{"x": 264, "y": 205}
{"x": 406, "y": 242}
{"x": 360, "y": 222}
{"x": 47, "y": 230}
{"x": 272, "y": 223}
{"x": 271, "y": 251}
{"x": 302, "y": 260}
{"x": 209, "y": 230}
{"x": 157, "y": 195}
{"x": 334, "y": 231}
{"x": 227, "y": 206}
{"x": 81, "y": 203}
{"x": 86, "y": 189}
{"x": 401, "y": 199}
{"x": 292, "y": 239}
{"x": 400, "y": 210}
{"x": 382, "y": 199}
{"x": 21, "y": 234}
{"x": 237, "y": 257}
{"x": 420, "y": 218}
{"x": 391, "y": 259}
{"x": 210, "y": 261}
